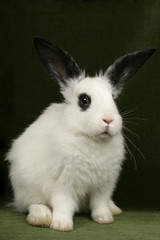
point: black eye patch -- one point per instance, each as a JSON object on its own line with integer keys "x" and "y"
{"x": 84, "y": 101}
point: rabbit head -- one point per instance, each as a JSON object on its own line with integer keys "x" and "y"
{"x": 90, "y": 107}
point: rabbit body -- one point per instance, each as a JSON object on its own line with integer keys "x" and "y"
{"x": 70, "y": 158}
{"x": 50, "y": 157}
{"x": 45, "y": 160}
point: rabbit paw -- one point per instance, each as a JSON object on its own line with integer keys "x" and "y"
{"x": 63, "y": 224}
{"x": 39, "y": 215}
{"x": 103, "y": 219}
{"x": 114, "y": 209}
{"x": 102, "y": 216}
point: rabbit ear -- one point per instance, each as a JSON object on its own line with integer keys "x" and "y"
{"x": 59, "y": 64}
{"x": 126, "y": 67}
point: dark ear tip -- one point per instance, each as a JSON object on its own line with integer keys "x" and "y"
{"x": 37, "y": 39}
{"x": 40, "y": 40}
{"x": 151, "y": 49}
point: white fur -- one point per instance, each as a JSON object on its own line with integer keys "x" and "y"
{"x": 64, "y": 161}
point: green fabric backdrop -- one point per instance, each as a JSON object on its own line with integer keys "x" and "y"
{"x": 95, "y": 33}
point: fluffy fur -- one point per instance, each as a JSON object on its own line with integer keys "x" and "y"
{"x": 69, "y": 160}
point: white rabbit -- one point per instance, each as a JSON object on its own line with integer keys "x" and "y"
{"x": 70, "y": 158}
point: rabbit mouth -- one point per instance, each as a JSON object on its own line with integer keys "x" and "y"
{"x": 105, "y": 134}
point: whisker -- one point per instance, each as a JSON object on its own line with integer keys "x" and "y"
{"x": 127, "y": 112}
{"x": 131, "y": 132}
{"x": 134, "y": 146}
{"x": 128, "y": 108}
{"x": 131, "y": 155}
{"x": 130, "y": 122}
{"x": 142, "y": 119}
{"x": 127, "y": 118}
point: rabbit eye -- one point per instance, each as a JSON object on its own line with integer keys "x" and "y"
{"x": 84, "y": 101}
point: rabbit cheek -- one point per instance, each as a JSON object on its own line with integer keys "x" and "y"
{"x": 116, "y": 127}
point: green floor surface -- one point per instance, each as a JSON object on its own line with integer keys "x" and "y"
{"x": 129, "y": 225}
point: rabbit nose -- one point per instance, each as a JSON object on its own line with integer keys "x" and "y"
{"x": 108, "y": 121}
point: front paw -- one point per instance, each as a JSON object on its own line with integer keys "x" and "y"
{"x": 103, "y": 218}
{"x": 114, "y": 209}
{"x": 39, "y": 215}
{"x": 63, "y": 224}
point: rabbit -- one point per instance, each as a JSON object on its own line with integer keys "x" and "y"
{"x": 70, "y": 158}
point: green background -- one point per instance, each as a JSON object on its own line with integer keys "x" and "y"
{"x": 95, "y": 33}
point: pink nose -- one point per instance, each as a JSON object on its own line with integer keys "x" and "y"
{"x": 108, "y": 121}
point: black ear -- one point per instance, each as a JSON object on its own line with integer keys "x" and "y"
{"x": 126, "y": 67}
{"x": 58, "y": 63}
